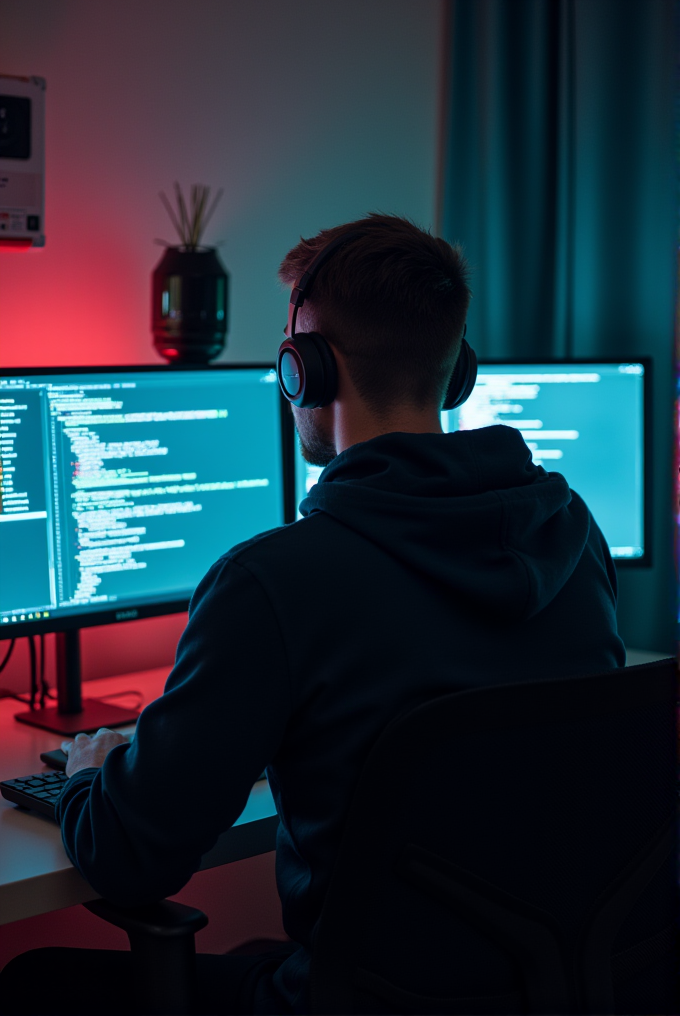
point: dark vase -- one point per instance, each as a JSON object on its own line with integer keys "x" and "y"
{"x": 190, "y": 293}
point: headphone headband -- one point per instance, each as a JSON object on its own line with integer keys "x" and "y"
{"x": 303, "y": 285}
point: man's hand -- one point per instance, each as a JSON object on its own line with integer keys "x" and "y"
{"x": 86, "y": 752}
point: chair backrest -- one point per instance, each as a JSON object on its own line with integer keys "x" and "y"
{"x": 511, "y": 849}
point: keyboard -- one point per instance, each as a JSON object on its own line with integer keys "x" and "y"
{"x": 41, "y": 791}
{"x": 38, "y": 792}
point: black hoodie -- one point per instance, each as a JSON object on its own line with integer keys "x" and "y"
{"x": 424, "y": 564}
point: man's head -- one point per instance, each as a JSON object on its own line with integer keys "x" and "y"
{"x": 392, "y": 303}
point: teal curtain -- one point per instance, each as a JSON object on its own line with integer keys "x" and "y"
{"x": 560, "y": 181}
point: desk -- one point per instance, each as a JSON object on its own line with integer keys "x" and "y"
{"x": 36, "y": 876}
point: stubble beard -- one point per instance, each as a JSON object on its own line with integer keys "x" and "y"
{"x": 316, "y": 446}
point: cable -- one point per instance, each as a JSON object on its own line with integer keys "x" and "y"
{"x": 45, "y": 692}
{"x": 34, "y": 670}
{"x": 5, "y": 692}
{"x": 43, "y": 683}
{"x": 7, "y": 656}
{"x": 124, "y": 694}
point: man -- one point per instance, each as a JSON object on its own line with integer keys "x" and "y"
{"x": 425, "y": 564}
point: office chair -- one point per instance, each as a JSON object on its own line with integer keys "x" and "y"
{"x": 509, "y": 849}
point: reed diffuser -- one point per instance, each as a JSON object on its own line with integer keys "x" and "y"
{"x": 190, "y": 285}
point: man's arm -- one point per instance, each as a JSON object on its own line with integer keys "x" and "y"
{"x": 137, "y": 827}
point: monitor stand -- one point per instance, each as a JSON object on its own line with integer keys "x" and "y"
{"x": 74, "y": 715}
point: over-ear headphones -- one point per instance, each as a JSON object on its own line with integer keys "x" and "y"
{"x": 305, "y": 364}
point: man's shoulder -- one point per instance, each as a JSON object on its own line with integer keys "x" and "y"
{"x": 272, "y": 560}
{"x": 273, "y": 542}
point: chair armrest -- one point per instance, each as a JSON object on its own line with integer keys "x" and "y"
{"x": 164, "y": 919}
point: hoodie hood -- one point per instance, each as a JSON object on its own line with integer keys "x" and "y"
{"x": 468, "y": 509}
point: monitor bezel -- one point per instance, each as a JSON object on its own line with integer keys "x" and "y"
{"x": 646, "y": 560}
{"x": 92, "y": 619}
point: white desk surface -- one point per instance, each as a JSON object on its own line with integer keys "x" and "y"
{"x": 36, "y": 876}
{"x": 634, "y": 657}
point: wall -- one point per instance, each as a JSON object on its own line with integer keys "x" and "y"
{"x": 306, "y": 113}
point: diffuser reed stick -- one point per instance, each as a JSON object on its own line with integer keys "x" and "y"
{"x": 190, "y": 220}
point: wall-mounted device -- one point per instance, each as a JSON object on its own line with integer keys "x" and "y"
{"x": 22, "y": 161}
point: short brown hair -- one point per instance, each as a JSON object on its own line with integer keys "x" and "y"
{"x": 393, "y": 301}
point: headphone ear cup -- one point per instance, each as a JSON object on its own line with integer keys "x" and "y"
{"x": 463, "y": 378}
{"x": 307, "y": 372}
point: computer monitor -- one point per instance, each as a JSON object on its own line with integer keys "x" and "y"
{"x": 120, "y": 487}
{"x": 586, "y": 419}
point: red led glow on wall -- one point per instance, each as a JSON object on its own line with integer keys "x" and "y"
{"x": 83, "y": 299}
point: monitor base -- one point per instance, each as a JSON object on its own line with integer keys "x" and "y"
{"x": 94, "y": 714}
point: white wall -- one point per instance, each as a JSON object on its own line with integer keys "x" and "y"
{"x": 307, "y": 112}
